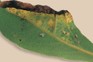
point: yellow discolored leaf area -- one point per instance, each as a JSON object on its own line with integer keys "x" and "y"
{"x": 39, "y": 23}
{"x": 19, "y": 12}
{"x": 68, "y": 17}
{"x": 51, "y": 23}
{"x": 12, "y": 10}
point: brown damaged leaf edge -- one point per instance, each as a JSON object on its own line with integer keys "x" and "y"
{"x": 29, "y": 7}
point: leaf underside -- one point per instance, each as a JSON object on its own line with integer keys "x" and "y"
{"x": 60, "y": 39}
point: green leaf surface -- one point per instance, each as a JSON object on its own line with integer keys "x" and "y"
{"x": 45, "y": 40}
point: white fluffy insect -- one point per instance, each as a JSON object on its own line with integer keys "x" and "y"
{"x": 42, "y": 34}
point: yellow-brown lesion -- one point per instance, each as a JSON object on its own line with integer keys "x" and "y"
{"x": 68, "y": 17}
{"x": 39, "y": 23}
{"x": 12, "y": 10}
{"x": 51, "y": 23}
{"x": 24, "y": 14}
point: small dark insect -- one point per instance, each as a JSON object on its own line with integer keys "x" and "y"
{"x": 67, "y": 33}
{"x": 63, "y": 32}
{"x": 76, "y": 36}
{"x": 20, "y": 40}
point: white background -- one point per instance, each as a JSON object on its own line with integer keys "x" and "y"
{"x": 82, "y": 12}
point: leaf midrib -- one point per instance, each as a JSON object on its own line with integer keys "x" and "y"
{"x": 61, "y": 40}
